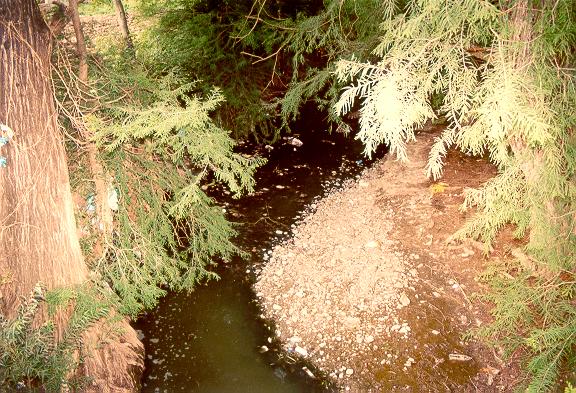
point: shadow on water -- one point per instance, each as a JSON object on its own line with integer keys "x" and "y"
{"x": 211, "y": 340}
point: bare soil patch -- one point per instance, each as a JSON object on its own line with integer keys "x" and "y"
{"x": 369, "y": 289}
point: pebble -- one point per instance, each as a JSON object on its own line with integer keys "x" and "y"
{"x": 276, "y": 307}
{"x": 409, "y": 362}
{"x": 372, "y": 244}
{"x": 404, "y": 300}
{"x": 301, "y": 351}
{"x": 349, "y": 371}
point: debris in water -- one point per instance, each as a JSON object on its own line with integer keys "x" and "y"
{"x": 308, "y": 372}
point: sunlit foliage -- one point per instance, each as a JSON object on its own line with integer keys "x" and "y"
{"x": 506, "y": 80}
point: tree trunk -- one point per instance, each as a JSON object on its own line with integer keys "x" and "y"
{"x": 123, "y": 23}
{"x": 38, "y": 240}
{"x": 80, "y": 43}
{"x": 100, "y": 177}
{"x": 38, "y": 237}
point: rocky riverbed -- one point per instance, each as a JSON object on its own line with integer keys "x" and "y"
{"x": 369, "y": 289}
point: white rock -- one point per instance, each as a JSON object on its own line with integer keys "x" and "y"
{"x": 349, "y": 371}
{"x": 301, "y": 351}
{"x": 372, "y": 244}
{"x": 404, "y": 300}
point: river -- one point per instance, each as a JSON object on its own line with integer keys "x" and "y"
{"x": 213, "y": 339}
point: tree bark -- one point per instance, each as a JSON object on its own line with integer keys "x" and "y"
{"x": 38, "y": 236}
{"x": 38, "y": 239}
{"x": 123, "y": 23}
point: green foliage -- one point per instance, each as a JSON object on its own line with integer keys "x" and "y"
{"x": 95, "y": 7}
{"x": 198, "y": 39}
{"x": 314, "y": 43}
{"x": 161, "y": 147}
{"x": 513, "y": 99}
{"x": 33, "y": 356}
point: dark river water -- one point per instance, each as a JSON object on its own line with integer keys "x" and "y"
{"x": 212, "y": 340}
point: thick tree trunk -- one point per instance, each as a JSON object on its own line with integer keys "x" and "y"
{"x": 38, "y": 238}
{"x": 123, "y": 23}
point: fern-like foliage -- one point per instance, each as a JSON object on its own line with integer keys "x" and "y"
{"x": 162, "y": 147}
{"x": 198, "y": 38}
{"x": 513, "y": 99}
{"x": 35, "y": 357}
{"x": 313, "y": 40}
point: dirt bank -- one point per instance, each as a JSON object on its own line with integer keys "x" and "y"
{"x": 369, "y": 290}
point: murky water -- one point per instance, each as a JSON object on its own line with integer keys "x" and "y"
{"x": 213, "y": 339}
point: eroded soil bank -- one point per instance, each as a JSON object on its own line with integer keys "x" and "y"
{"x": 369, "y": 289}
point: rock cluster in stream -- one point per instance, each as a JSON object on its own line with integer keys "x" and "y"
{"x": 334, "y": 289}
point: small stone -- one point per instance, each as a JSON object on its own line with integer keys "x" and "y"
{"x": 351, "y": 322}
{"x": 263, "y": 349}
{"x": 435, "y": 332}
{"x": 404, "y": 300}
{"x": 301, "y": 351}
{"x": 349, "y": 371}
{"x": 276, "y": 307}
{"x": 372, "y": 244}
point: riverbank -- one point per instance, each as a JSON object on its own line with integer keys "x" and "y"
{"x": 369, "y": 290}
